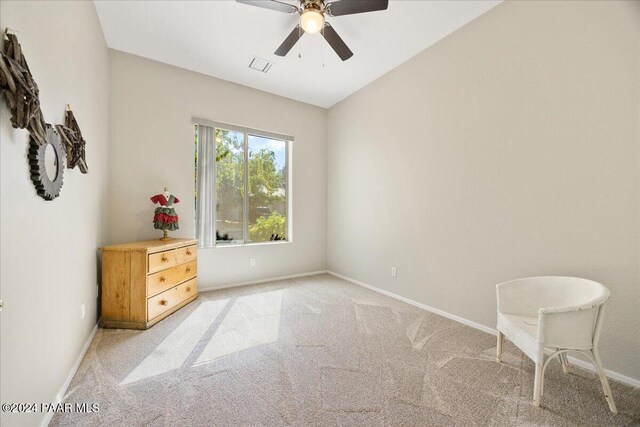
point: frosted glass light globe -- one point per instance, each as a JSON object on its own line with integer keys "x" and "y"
{"x": 311, "y": 21}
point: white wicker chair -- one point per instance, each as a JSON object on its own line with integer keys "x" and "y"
{"x": 560, "y": 314}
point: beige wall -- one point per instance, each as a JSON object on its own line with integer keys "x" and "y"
{"x": 509, "y": 149}
{"x": 152, "y": 105}
{"x": 48, "y": 250}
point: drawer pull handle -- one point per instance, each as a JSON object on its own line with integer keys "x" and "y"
{"x": 188, "y": 252}
{"x": 188, "y": 289}
{"x": 164, "y": 302}
{"x": 188, "y": 269}
{"x": 163, "y": 279}
{"x": 164, "y": 258}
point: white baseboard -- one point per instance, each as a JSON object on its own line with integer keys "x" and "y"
{"x": 63, "y": 389}
{"x": 254, "y": 282}
{"x": 418, "y": 304}
{"x": 611, "y": 374}
{"x": 578, "y": 362}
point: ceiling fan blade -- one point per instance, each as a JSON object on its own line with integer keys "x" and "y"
{"x": 336, "y": 42}
{"x": 271, "y": 4}
{"x": 349, "y": 7}
{"x": 290, "y": 41}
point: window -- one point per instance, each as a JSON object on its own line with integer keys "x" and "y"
{"x": 242, "y": 181}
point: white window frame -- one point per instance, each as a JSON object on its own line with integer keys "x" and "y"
{"x": 246, "y": 131}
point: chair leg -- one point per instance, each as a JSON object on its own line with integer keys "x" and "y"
{"x": 565, "y": 362}
{"x": 499, "y": 347}
{"x": 538, "y": 384}
{"x": 604, "y": 381}
{"x": 542, "y": 383}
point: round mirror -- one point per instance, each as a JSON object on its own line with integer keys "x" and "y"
{"x": 51, "y": 162}
{"x": 46, "y": 162}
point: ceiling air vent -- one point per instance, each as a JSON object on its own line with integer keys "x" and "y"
{"x": 260, "y": 64}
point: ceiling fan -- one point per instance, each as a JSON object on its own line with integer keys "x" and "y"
{"x": 312, "y": 19}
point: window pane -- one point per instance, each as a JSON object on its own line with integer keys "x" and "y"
{"x": 229, "y": 186}
{"x": 267, "y": 189}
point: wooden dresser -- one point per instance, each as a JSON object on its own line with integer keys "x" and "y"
{"x": 144, "y": 282}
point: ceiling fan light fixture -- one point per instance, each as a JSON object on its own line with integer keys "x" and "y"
{"x": 312, "y": 21}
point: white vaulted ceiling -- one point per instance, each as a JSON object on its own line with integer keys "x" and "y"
{"x": 219, "y": 38}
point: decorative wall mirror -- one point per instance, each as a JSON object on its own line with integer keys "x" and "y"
{"x": 47, "y": 148}
{"x": 47, "y": 164}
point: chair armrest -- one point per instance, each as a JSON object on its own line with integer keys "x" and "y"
{"x": 568, "y": 327}
{"x": 588, "y": 306}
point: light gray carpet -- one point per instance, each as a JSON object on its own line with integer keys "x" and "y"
{"x": 322, "y": 351}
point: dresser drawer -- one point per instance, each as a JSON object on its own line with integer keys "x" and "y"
{"x": 168, "y": 299}
{"x": 166, "y": 279}
{"x": 161, "y": 260}
{"x": 186, "y": 254}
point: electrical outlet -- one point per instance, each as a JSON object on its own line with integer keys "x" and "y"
{"x": 394, "y": 272}
{"x": 252, "y": 262}
{"x": 83, "y": 310}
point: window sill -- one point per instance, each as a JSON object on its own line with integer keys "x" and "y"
{"x": 241, "y": 245}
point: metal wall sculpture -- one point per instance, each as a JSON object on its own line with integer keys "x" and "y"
{"x": 22, "y": 95}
